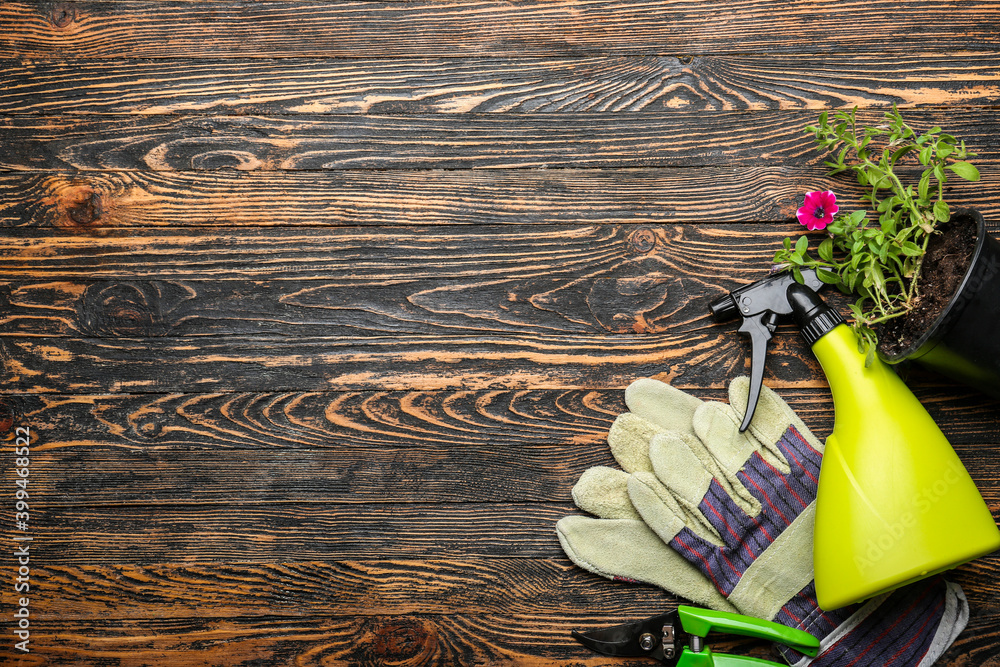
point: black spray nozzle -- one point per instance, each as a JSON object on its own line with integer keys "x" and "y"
{"x": 762, "y": 305}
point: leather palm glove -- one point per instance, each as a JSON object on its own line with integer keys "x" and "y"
{"x": 616, "y": 543}
{"x": 739, "y": 507}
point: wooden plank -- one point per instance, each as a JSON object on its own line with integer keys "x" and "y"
{"x": 518, "y": 586}
{"x": 444, "y": 141}
{"x": 416, "y": 197}
{"x": 712, "y": 258}
{"x": 83, "y": 474}
{"x": 159, "y": 365}
{"x": 436, "y": 28}
{"x": 98, "y": 200}
{"x": 384, "y": 255}
{"x": 385, "y": 281}
{"x": 489, "y": 85}
{"x": 500, "y": 308}
{"x": 434, "y": 641}
{"x": 538, "y": 422}
{"x": 361, "y": 423}
{"x": 527, "y": 588}
{"x": 317, "y": 530}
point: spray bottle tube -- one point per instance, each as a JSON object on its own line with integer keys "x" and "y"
{"x": 894, "y": 504}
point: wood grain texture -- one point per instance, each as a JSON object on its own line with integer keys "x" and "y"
{"x": 222, "y": 198}
{"x": 110, "y": 605}
{"x": 493, "y": 85}
{"x": 526, "y": 588}
{"x": 317, "y": 311}
{"x": 715, "y": 258}
{"x": 411, "y": 640}
{"x": 80, "y": 365}
{"x": 572, "y": 422}
{"x": 355, "y": 422}
{"x": 410, "y": 308}
{"x": 360, "y": 28}
{"x": 442, "y": 141}
{"x": 596, "y": 279}
{"x": 342, "y": 448}
{"x": 96, "y": 201}
{"x": 318, "y": 530}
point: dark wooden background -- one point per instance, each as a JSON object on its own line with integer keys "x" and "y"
{"x": 317, "y": 310}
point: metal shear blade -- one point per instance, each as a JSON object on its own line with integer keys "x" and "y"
{"x": 654, "y": 637}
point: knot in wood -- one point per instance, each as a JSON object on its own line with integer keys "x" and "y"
{"x": 401, "y": 641}
{"x": 10, "y": 412}
{"x": 121, "y": 309}
{"x": 62, "y": 14}
{"x": 641, "y": 241}
{"x": 82, "y": 205}
{"x": 148, "y": 427}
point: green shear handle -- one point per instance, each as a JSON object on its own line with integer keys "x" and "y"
{"x": 699, "y": 622}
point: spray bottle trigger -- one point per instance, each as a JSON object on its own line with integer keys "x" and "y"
{"x": 759, "y": 328}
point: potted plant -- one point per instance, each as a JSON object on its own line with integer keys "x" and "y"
{"x": 927, "y": 277}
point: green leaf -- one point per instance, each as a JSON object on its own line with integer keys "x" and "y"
{"x": 910, "y": 249}
{"x": 826, "y": 250}
{"x": 925, "y": 155}
{"x": 870, "y": 357}
{"x": 900, "y": 152}
{"x": 924, "y": 186}
{"x": 798, "y": 275}
{"x": 787, "y": 243}
{"x": 857, "y": 217}
{"x": 941, "y": 211}
{"x": 878, "y": 280}
{"x": 965, "y": 170}
{"x": 802, "y": 244}
{"x": 828, "y": 277}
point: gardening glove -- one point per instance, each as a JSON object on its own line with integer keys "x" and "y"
{"x": 740, "y": 507}
{"x": 618, "y": 544}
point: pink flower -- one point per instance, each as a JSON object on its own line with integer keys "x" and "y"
{"x": 818, "y": 210}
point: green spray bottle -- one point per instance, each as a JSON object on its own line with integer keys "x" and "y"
{"x": 894, "y": 502}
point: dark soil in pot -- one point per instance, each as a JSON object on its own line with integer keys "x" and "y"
{"x": 948, "y": 257}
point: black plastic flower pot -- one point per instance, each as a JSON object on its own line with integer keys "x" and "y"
{"x": 963, "y": 342}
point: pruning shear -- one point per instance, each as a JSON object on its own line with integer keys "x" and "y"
{"x": 677, "y": 638}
